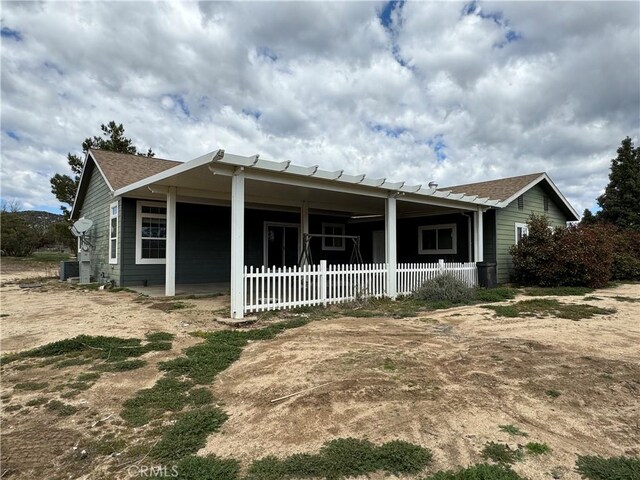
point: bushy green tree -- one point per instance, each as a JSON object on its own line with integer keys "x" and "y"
{"x": 64, "y": 186}
{"x": 17, "y": 238}
{"x": 620, "y": 201}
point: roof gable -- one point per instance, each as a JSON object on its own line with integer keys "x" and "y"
{"x": 506, "y": 190}
{"x": 501, "y": 189}
{"x": 118, "y": 170}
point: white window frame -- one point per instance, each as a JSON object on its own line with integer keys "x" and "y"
{"x": 139, "y": 215}
{"x": 525, "y": 231}
{"x": 438, "y": 251}
{"x": 113, "y": 255}
{"x": 326, "y": 247}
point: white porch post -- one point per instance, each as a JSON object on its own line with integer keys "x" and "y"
{"x": 237, "y": 244}
{"x": 304, "y": 225}
{"x": 390, "y": 245}
{"x": 478, "y": 236}
{"x": 170, "y": 259}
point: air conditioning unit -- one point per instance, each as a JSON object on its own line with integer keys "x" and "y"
{"x": 69, "y": 269}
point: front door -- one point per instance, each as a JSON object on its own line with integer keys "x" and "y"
{"x": 379, "y": 252}
{"x": 281, "y": 244}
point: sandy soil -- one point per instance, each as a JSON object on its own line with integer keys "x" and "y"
{"x": 445, "y": 382}
{"x": 55, "y": 311}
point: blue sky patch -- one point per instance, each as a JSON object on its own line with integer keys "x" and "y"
{"x": 266, "y": 52}
{"x": 12, "y": 134}
{"x": 180, "y": 102}
{"x": 252, "y": 113}
{"x": 438, "y": 146}
{"x": 389, "y": 131}
{"x": 385, "y": 14}
{"x": 9, "y": 33}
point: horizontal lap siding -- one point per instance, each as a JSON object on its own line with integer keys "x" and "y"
{"x": 508, "y": 216}
{"x": 96, "y": 208}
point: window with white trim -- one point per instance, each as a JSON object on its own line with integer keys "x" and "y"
{"x": 151, "y": 232}
{"x": 437, "y": 239}
{"x": 113, "y": 233}
{"x": 333, "y": 243}
{"x": 522, "y": 230}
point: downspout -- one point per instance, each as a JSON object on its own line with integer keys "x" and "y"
{"x": 469, "y": 253}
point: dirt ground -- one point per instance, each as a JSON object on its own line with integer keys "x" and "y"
{"x": 445, "y": 380}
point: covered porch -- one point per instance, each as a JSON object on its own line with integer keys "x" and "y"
{"x": 326, "y": 210}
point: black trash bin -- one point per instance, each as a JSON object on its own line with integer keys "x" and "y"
{"x": 487, "y": 275}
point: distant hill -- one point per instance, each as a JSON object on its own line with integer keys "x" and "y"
{"x": 39, "y": 220}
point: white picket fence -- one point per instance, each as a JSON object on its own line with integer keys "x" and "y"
{"x": 412, "y": 275}
{"x": 290, "y": 287}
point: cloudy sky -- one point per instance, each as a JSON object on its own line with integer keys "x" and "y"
{"x": 452, "y": 92}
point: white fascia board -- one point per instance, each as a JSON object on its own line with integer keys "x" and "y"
{"x": 158, "y": 177}
{"x": 84, "y": 168}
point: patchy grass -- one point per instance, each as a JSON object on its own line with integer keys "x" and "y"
{"x": 110, "y": 349}
{"x": 614, "y": 468}
{"x": 481, "y": 471}
{"x": 204, "y": 361}
{"x": 188, "y": 434}
{"x": 36, "y": 402}
{"x": 30, "y": 386}
{"x": 170, "y": 306}
{"x": 499, "y": 294}
{"x": 513, "y": 430}
{"x": 535, "y": 448}
{"x": 168, "y": 394}
{"x": 88, "y": 377}
{"x": 552, "y": 393}
{"x": 120, "y": 366}
{"x": 501, "y": 453}
{"x": 62, "y": 409}
{"x": 70, "y": 362}
{"x": 344, "y": 457}
{"x": 48, "y": 257}
{"x": 12, "y": 408}
{"x": 539, "y": 307}
{"x": 160, "y": 336}
{"x": 108, "y": 445}
{"x": 557, "y": 291}
{"x": 592, "y": 298}
{"x": 620, "y": 298}
{"x": 197, "y": 468}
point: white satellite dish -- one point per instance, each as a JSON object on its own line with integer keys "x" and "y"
{"x": 81, "y": 227}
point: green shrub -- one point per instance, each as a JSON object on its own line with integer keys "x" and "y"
{"x": 198, "y": 468}
{"x": 573, "y": 256}
{"x": 400, "y": 457}
{"x": 445, "y": 288}
{"x": 536, "y": 448}
{"x": 481, "y": 471}
{"x": 614, "y": 468}
{"x": 17, "y": 237}
{"x": 501, "y": 453}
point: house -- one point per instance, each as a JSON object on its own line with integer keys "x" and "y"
{"x": 220, "y": 218}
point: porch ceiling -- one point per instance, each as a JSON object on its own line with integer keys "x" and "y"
{"x": 200, "y": 185}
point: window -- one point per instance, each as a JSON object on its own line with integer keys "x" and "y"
{"x": 545, "y": 200}
{"x": 522, "y": 230}
{"x": 151, "y": 232}
{"x": 521, "y": 202}
{"x": 113, "y": 233}
{"x": 436, "y": 239}
{"x": 332, "y": 243}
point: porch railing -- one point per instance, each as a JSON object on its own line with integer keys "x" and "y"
{"x": 290, "y": 287}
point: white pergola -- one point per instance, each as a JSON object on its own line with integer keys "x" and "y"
{"x": 254, "y": 181}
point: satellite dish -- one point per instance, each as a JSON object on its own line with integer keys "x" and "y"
{"x": 81, "y": 227}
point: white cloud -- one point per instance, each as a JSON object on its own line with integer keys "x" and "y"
{"x": 498, "y": 88}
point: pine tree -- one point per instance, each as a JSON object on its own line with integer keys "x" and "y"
{"x": 64, "y": 186}
{"x": 620, "y": 201}
{"x": 588, "y": 218}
